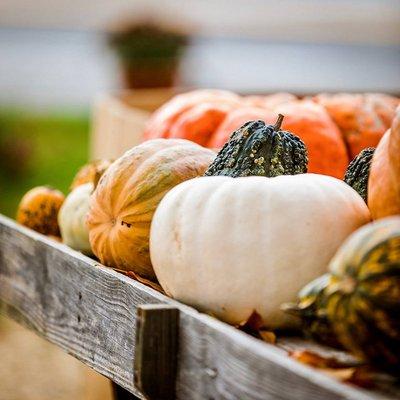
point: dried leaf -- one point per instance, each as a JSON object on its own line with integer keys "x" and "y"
{"x": 56, "y": 238}
{"x": 146, "y": 282}
{"x": 251, "y": 325}
{"x": 341, "y": 374}
{"x": 140, "y": 279}
{"x": 318, "y": 361}
{"x": 267, "y": 336}
{"x": 347, "y": 372}
{"x": 363, "y": 377}
{"x": 255, "y": 326}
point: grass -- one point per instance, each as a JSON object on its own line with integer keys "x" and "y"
{"x": 39, "y": 149}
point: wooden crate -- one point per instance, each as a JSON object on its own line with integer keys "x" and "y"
{"x": 118, "y": 120}
{"x": 113, "y": 323}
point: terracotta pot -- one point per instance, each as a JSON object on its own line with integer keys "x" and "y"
{"x": 151, "y": 73}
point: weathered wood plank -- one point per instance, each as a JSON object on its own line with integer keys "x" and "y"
{"x": 90, "y": 311}
{"x": 156, "y": 351}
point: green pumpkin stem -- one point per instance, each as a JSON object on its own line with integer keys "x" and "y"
{"x": 278, "y": 123}
{"x": 292, "y": 309}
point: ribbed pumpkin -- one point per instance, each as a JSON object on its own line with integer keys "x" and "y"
{"x": 237, "y": 118}
{"x": 384, "y": 177}
{"x": 90, "y": 172}
{"x": 208, "y": 116}
{"x": 39, "y": 209}
{"x": 179, "y": 109}
{"x": 257, "y": 149}
{"x": 357, "y": 172}
{"x": 327, "y": 152}
{"x": 269, "y": 101}
{"x": 363, "y": 295}
{"x": 122, "y": 206}
{"x": 362, "y": 118}
{"x": 200, "y": 122}
{"x": 234, "y": 245}
{"x": 309, "y": 121}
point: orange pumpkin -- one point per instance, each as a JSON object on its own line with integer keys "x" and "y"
{"x": 39, "y": 208}
{"x": 270, "y": 101}
{"x": 384, "y": 177}
{"x": 362, "y": 118}
{"x": 327, "y": 152}
{"x": 199, "y": 123}
{"x": 123, "y": 204}
{"x": 163, "y": 119}
{"x": 90, "y": 173}
{"x": 200, "y": 115}
{"x": 237, "y": 118}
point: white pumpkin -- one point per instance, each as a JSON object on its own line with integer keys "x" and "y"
{"x": 72, "y": 218}
{"x": 233, "y": 245}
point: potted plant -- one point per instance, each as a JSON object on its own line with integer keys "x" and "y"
{"x": 149, "y": 54}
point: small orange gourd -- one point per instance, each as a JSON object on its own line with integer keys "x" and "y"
{"x": 90, "y": 173}
{"x": 39, "y": 209}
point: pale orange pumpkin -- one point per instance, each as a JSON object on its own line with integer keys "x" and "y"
{"x": 39, "y": 209}
{"x": 163, "y": 119}
{"x": 199, "y": 123}
{"x": 237, "y": 118}
{"x": 123, "y": 204}
{"x": 362, "y": 118}
{"x": 384, "y": 176}
{"x": 327, "y": 153}
{"x": 208, "y": 116}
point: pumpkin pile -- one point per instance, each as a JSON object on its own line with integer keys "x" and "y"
{"x": 335, "y": 128}
{"x": 251, "y": 230}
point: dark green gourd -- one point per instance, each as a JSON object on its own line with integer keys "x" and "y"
{"x": 357, "y": 172}
{"x": 262, "y": 150}
{"x": 311, "y": 309}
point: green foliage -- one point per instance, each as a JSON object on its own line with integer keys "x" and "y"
{"x": 147, "y": 43}
{"x": 39, "y": 150}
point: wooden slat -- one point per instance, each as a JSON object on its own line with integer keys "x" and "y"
{"x": 90, "y": 311}
{"x": 156, "y": 351}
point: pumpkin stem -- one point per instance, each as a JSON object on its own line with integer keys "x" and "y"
{"x": 292, "y": 309}
{"x": 97, "y": 176}
{"x": 278, "y": 123}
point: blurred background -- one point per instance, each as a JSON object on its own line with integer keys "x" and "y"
{"x": 57, "y": 56}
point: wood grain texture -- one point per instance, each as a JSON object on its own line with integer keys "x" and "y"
{"x": 157, "y": 331}
{"x": 90, "y": 311}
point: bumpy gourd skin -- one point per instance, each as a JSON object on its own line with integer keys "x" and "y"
{"x": 311, "y": 309}
{"x": 363, "y": 295}
{"x": 260, "y": 150}
{"x": 39, "y": 208}
{"x": 357, "y": 172}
